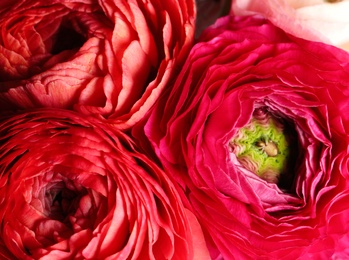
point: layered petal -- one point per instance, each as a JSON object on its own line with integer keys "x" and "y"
{"x": 73, "y": 187}
{"x": 110, "y": 59}
{"x": 245, "y": 70}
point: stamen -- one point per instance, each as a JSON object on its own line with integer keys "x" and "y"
{"x": 269, "y": 147}
{"x": 262, "y": 147}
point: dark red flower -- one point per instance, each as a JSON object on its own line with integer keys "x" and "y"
{"x": 72, "y": 187}
{"x": 110, "y": 58}
{"x": 255, "y": 132}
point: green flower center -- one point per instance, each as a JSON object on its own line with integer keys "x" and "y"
{"x": 262, "y": 147}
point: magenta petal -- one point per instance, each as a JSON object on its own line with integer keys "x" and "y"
{"x": 241, "y": 65}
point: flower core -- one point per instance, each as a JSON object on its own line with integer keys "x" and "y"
{"x": 262, "y": 147}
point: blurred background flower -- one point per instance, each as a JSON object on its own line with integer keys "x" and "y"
{"x": 318, "y": 20}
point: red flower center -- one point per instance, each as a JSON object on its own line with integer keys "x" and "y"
{"x": 62, "y": 202}
{"x": 66, "y": 38}
{"x": 61, "y": 208}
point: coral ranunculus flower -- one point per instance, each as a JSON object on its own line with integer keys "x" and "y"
{"x": 109, "y": 58}
{"x": 75, "y": 188}
{"x": 255, "y": 132}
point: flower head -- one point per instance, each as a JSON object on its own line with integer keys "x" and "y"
{"x": 250, "y": 94}
{"x": 74, "y": 187}
{"x": 109, "y": 59}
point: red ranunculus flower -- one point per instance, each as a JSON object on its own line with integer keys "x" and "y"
{"x": 110, "y": 58}
{"x": 75, "y": 188}
{"x": 255, "y": 131}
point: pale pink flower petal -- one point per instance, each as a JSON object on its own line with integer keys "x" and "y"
{"x": 316, "y": 20}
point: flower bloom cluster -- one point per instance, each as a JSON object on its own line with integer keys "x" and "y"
{"x": 150, "y": 129}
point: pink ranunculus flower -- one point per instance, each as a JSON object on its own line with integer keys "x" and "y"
{"x": 73, "y": 187}
{"x": 106, "y": 58}
{"x": 317, "y": 20}
{"x": 255, "y": 132}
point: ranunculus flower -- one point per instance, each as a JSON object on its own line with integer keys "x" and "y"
{"x": 255, "y": 132}
{"x": 72, "y": 187}
{"x": 109, "y": 58}
{"x": 317, "y": 20}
